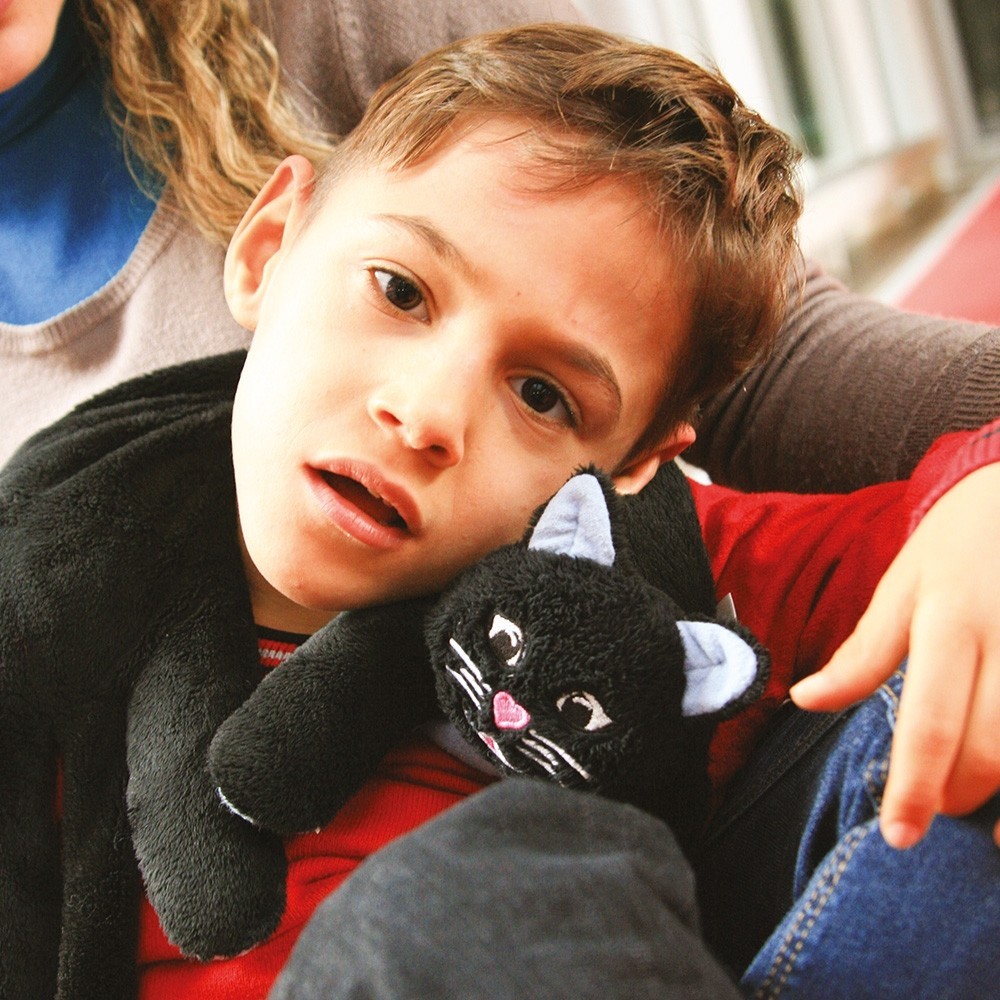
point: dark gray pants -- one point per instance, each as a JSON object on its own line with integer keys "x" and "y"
{"x": 453, "y": 910}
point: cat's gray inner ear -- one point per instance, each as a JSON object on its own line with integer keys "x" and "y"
{"x": 719, "y": 667}
{"x": 576, "y": 523}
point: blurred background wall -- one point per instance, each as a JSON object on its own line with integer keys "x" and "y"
{"x": 896, "y": 104}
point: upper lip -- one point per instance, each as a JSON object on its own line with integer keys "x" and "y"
{"x": 375, "y": 482}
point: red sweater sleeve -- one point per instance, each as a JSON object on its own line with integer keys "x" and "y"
{"x": 802, "y": 569}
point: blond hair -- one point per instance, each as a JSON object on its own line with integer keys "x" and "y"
{"x": 717, "y": 177}
{"x": 196, "y": 90}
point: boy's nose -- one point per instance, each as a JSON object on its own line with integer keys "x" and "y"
{"x": 428, "y": 415}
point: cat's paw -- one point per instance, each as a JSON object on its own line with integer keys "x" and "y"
{"x": 263, "y": 771}
{"x": 217, "y": 884}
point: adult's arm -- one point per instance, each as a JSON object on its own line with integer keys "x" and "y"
{"x": 854, "y": 394}
{"x": 335, "y": 53}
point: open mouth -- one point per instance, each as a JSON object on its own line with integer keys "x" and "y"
{"x": 364, "y": 500}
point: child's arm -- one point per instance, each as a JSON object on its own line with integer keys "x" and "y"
{"x": 803, "y": 569}
{"x": 936, "y": 603}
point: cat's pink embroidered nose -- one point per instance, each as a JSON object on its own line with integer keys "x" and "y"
{"x": 507, "y": 713}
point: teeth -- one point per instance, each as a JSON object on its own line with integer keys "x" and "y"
{"x": 389, "y": 506}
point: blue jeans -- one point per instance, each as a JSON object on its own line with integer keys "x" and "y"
{"x": 530, "y": 890}
{"x": 855, "y": 918}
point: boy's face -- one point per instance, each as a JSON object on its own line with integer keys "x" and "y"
{"x": 434, "y": 354}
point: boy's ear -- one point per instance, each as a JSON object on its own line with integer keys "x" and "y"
{"x": 269, "y": 223}
{"x": 639, "y": 471}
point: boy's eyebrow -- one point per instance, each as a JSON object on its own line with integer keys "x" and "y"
{"x": 428, "y": 233}
{"x": 597, "y": 366}
{"x": 587, "y": 361}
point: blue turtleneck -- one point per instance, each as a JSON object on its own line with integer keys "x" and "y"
{"x": 70, "y": 211}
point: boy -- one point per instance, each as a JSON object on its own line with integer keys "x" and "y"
{"x": 540, "y": 248}
{"x": 854, "y": 563}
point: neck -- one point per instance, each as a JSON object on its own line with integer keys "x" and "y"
{"x": 31, "y": 99}
{"x": 284, "y": 616}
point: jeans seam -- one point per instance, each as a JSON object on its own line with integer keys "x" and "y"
{"x": 888, "y": 693}
{"x": 877, "y": 770}
{"x": 875, "y": 777}
{"x": 809, "y": 913}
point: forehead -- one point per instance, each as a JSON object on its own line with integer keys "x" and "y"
{"x": 495, "y": 173}
{"x": 529, "y": 163}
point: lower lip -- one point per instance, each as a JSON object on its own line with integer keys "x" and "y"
{"x": 352, "y": 521}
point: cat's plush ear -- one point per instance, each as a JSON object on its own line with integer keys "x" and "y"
{"x": 723, "y": 669}
{"x": 576, "y": 522}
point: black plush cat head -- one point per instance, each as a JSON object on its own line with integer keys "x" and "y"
{"x": 556, "y": 658}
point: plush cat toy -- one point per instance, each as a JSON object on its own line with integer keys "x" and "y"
{"x": 558, "y": 658}
{"x": 561, "y": 657}
{"x": 129, "y": 670}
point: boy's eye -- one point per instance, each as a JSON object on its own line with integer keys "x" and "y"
{"x": 544, "y": 398}
{"x": 400, "y": 292}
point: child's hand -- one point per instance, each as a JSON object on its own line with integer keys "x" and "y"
{"x": 938, "y": 603}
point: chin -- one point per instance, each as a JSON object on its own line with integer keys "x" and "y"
{"x": 315, "y": 597}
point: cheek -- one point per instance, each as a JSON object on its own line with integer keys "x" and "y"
{"x": 510, "y": 497}
{"x": 269, "y": 413}
{"x": 287, "y": 369}
{"x": 252, "y": 409}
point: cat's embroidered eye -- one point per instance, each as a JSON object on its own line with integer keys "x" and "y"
{"x": 506, "y": 640}
{"x": 581, "y": 710}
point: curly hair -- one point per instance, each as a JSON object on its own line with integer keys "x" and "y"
{"x": 195, "y": 87}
